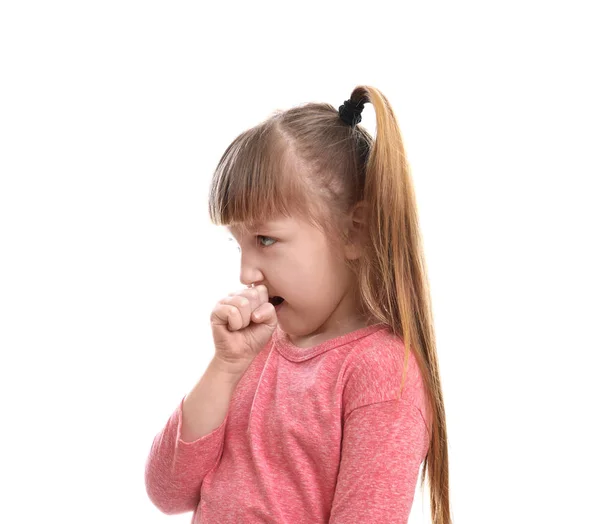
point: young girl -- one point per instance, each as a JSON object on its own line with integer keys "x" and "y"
{"x": 323, "y": 397}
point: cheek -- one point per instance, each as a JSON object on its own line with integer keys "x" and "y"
{"x": 316, "y": 275}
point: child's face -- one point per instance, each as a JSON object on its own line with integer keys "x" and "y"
{"x": 295, "y": 261}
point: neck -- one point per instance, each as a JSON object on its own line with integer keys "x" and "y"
{"x": 347, "y": 317}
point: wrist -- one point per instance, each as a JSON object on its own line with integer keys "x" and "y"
{"x": 231, "y": 371}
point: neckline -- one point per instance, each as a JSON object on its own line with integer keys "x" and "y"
{"x": 298, "y": 354}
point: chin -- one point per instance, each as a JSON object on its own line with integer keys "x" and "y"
{"x": 298, "y": 329}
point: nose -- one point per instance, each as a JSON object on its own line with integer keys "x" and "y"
{"x": 249, "y": 271}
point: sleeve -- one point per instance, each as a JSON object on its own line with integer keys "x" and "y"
{"x": 175, "y": 469}
{"x": 382, "y": 449}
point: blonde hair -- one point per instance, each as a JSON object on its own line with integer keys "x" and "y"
{"x": 307, "y": 162}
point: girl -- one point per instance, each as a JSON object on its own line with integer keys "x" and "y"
{"x": 323, "y": 397}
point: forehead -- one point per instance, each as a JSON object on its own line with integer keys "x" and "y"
{"x": 277, "y": 224}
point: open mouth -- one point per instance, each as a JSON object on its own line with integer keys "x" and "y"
{"x": 276, "y": 301}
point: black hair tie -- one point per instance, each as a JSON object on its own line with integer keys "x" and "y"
{"x": 350, "y": 112}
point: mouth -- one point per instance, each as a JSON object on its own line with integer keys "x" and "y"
{"x": 276, "y": 301}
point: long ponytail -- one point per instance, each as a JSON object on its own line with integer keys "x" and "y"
{"x": 394, "y": 283}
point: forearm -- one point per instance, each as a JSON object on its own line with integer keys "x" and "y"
{"x": 206, "y": 405}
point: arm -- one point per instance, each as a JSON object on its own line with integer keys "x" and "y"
{"x": 382, "y": 450}
{"x": 190, "y": 444}
{"x": 205, "y": 407}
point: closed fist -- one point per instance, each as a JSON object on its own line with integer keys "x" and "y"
{"x": 242, "y": 324}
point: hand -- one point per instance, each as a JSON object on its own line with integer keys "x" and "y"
{"x": 242, "y": 324}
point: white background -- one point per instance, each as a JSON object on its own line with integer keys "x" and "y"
{"x": 113, "y": 116}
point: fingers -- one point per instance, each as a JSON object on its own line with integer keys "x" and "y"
{"x": 256, "y": 295}
{"x": 239, "y": 316}
{"x": 226, "y": 315}
{"x": 236, "y": 309}
{"x": 265, "y": 314}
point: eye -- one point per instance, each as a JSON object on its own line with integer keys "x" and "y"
{"x": 260, "y": 237}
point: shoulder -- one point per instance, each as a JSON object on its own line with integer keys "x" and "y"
{"x": 373, "y": 373}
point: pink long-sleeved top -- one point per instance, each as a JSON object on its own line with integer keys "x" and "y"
{"x": 312, "y": 435}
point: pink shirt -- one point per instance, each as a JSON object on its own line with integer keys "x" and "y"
{"x": 312, "y": 435}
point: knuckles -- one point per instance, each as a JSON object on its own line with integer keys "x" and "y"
{"x": 254, "y": 297}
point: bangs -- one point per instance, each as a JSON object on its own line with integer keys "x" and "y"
{"x": 258, "y": 178}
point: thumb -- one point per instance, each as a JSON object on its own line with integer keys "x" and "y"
{"x": 265, "y": 314}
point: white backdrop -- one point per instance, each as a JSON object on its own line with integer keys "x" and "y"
{"x": 113, "y": 116}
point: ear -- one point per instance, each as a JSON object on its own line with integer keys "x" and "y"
{"x": 356, "y": 228}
